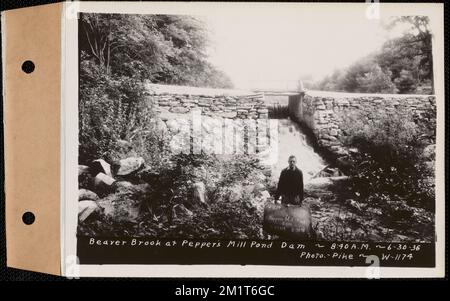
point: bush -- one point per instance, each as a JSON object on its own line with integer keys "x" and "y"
{"x": 114, "y": 111}
{"x": 226, "y": 214}
{"x": 389, "y": 170}
{"x": 173, "y": 182}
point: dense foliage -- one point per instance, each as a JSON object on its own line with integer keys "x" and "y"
{"x": 118, "y": 53}
{"x": 392, "y": 168}
{"x": 403, "y": 65}
{"x": 168, "y": 207}
{"x": 166, "y": 49}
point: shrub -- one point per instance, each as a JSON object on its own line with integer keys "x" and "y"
{"x": 389, "y": 170}
{"x": 114, "y": 110}
{"x": 225, "y": 215}
{"x": 173, "y": 181}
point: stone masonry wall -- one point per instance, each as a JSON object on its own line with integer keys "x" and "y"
{"x": 219, "y": 121}
{"x": 324, "y": 112}
{"x": 211, "y": 102}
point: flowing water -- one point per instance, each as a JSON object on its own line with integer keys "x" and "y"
{"x": 292, "y": 141}
{"x": 332, "y": 219}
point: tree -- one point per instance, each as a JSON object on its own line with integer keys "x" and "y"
{"x": 161, "y": 48}
{"x": 331, "y": 82}
{"x": 357, "y": 70}
{"x": 406, "y": 83}
{"x": 118, "y": 53}
{"x": 415, "y": 47}
{"x": 375, "y": 81}
{"x": 402, "y": 65}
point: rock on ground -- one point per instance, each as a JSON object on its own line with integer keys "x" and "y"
{"x": 118, "y": 208}
{"x": 103, "y": 183}
{"x": 83, "y": 169}
{"x": 199, "y": 192}
{"x": 84, "y": 194}
{"x": 100, "y": 166}
{"x": 86, "y": 209}
{"x": 120, "y": 185}
{"x": 180, "y": 211}
{"x": 130, "y": 165}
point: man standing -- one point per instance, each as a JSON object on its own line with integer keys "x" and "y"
{"x": 290, "y": 185}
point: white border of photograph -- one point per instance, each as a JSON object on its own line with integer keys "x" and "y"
{"x": 69, "y": 156}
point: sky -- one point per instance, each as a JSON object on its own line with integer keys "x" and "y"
{"x": 273, "y": 49}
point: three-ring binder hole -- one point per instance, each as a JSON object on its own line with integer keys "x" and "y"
{"x": 28, "y": 66}
{"x": 28, "y": 218}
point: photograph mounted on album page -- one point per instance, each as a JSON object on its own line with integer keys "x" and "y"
{"x": 252, "y": 140}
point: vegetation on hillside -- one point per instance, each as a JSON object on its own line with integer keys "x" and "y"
{"x": 118, "y": 53}
{"x": 392, "y": 170}
{"x": 403, "y": 65}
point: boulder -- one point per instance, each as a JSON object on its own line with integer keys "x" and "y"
{"x": 84, "y": 194}
{"x": 180, "y": 211}
{"x": 126, "y": 203}
{"x": 87, "y": 208}
{"x": 103, "y": 183}
{"x": 137, "y": 190}
{"x": 100, "y": 166}
{"x": 120, "y": 185}
{"x": 265, "y": 195}
{"x": 130, "y": 165}
{"x": 82, "y": 169}
{"x": 161, "y": 127}
{"x": 199, "y": 192}
{"x": 119, "y": 208}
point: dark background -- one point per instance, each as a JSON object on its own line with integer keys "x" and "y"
{"x": 294, "y": 287}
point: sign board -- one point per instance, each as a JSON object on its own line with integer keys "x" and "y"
{"x": 290, "y": 221}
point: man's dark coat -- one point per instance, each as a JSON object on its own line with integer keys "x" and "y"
{"x": 290, "y": 183}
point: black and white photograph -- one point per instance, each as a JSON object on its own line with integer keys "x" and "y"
{"x": 299, "y": 137}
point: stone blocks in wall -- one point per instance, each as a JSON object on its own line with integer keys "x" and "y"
{"x": 324, "y": 112}
{"x": 242, "y": 107}
{"x": 213, "y": 123}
